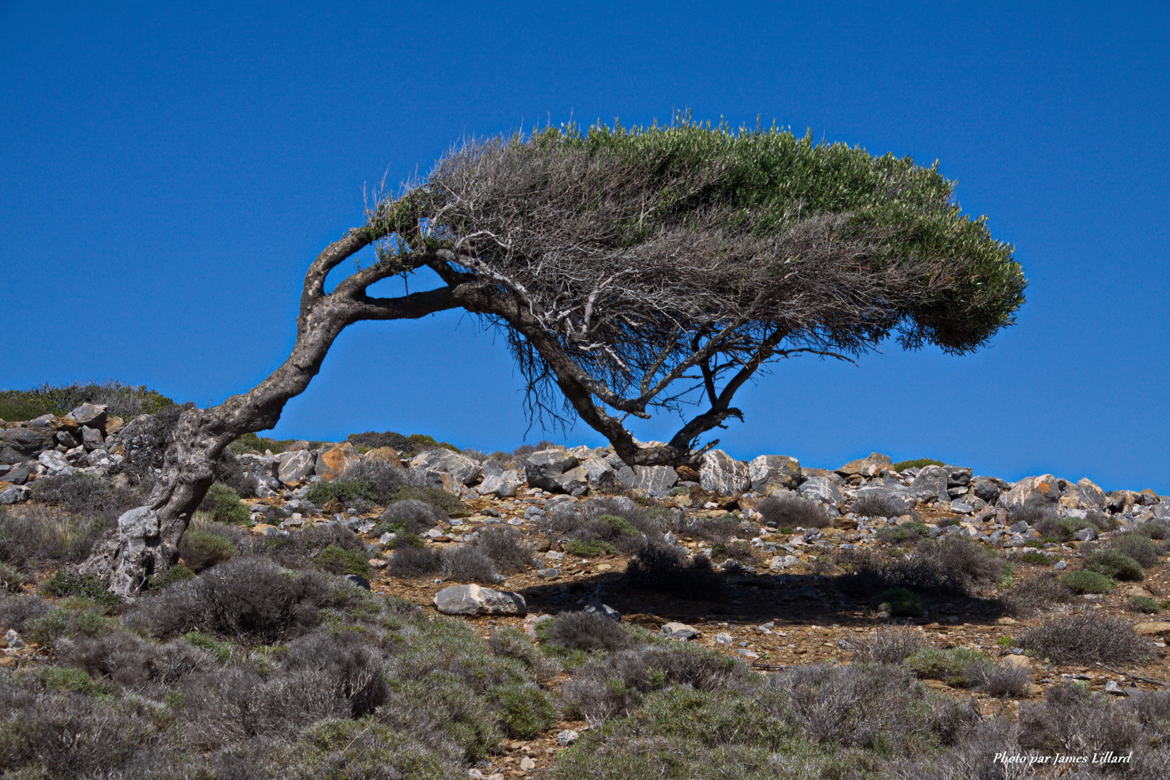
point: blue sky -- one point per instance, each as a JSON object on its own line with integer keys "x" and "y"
{"x": 168, "y": 170}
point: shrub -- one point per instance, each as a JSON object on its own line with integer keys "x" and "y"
{"x": 49, "y": 536}
{"x": 736, "y": 550}
{"x": 18, "y": 609}
{"x": 1034, "y": 557}
{"x": 11, "y": 580}
{"x": 340, "y": 748}
{"x": 202, "y": 548}
{"x": 76, "y": 618}
{"x": 587, "y": 549}
{"x": 587, "y": 631}
{"x": 916, "y": 463}
{"x": 1084, "y": 581}
{"x": 122, "y": 400}
{"x": 441, "y": 499}
{"x": 1138, "y": 547}
{"x": 718, "y": 529}
{"x": 337, "y": 560}
{"x": 1155, "y": 529}
{"x": 85, "y": 495}
{"x": 525, "y": 710}
{"x": 464, "y": 563}
{"x": 953, "y": 564}
{"x": 1144, "y": 604}
{"x": 957, "y": 666}
{"x": 409, "y": 561}
{"x": 224, "y": 505}
{"x": 616, "y": 684}
{"x": 888, "y": 646}
{"x": 343, "y": 491}
{"x": 900, "y": 602}
{"x": 1001, "y": 681}
{"x": 245, "y": 599}
{"x": 250, "y": 442}
{"x": 903, "y": 533}
{"x": 1074, "y": 720}
{"x": 1087, "y": 638}
{"x": 409, "y": 446}
{"x": 410, "y": 516}
{"x": 971, "y": 562}
{"x": 169, "y": 576}
{"x": 879, "y": 505}
{"x": 506, "y": 548}
{"x": 665, "y": 570}
{"x": 792, "y": 511}
{"x": 508, "y": 642}
{"x": 65, "y": 583}
{"x": 1114, "y": 564}
{"x": 1036, "y": 593}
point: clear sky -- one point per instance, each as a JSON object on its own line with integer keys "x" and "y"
{"x": 168, "y": 170}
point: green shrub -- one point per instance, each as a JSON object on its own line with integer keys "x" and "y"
{"x": 1144, "y": 604}
{"x": 903, "y": 534}
{"x": 1141, "y": 548}
{"x": 250, "y": 442}
{"x": 1114, "y": 564}
{"x": 11, "y": 579}
{"x": 916, "y": 463}
{"x": 201, "y": 549}
{"x": 525, "y": 710}
{"x": 342, "y": 490}
{"x": 588, "y": 548}
{"x": 75, "y": 618}
{"x": 221, "y": 650}
{"x": 336, "y": 560}
{"x": 170, "y": 576}
{"x": 448, "y": 503}
{"x": 352, "y": 749}
{"x": 122, "y": 400}
{"x": 1085, "y": 581}
{"x": 72, "y": 680}
{"x": 224, "y": 505}
{"x": 1034, "y": 557}
{"x": 66, "y": 583}
{"x": 900, "y": 602}
{"x": 957, "y": 666}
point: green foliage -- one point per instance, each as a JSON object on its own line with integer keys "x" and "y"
{"x": 123, "y": 400}
{"x": 250, "y": 442}
{"x": 1138, "y": 547}
{"x": 409, "y": 446}
{"x": 1113, "y": 563}
{"x": 60, "y": 678}
{"x": 11, "y": 579}
{"x": 437, "y": 497}
{"x": 74, "y": 618}
{"x": 1085, "y": 581}
{"x": 916, "y": 463}
{"x": 903, "y": 534}
{"x": 220, "y": 649}
{"x": 337, "y": 560}
{"x": 65, "y": 583}
{"x": 525, "y": 710}
{"x": 900, "y": 602}
{"x": 201, "y": 549}
{"x": 1144, "y": 604}
{"x": 341, "y": 490}
{"x": 169, "y": 576}
{"x": 957, "y": 666}
{"x": 358, "y": 749}
{"x": 224, "y": 505}
{"x": 1034, "y": 557}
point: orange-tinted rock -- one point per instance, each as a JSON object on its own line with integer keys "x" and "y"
{"x": 334, "y": 462}
{"x": 384, "y": 455}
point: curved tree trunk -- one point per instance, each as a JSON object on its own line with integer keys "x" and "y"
{"x": 146, "y": 540}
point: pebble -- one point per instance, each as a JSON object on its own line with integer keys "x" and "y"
{"x": 567, "y": 737}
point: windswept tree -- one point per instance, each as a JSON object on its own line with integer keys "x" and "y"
{"x": 633, "y": 270}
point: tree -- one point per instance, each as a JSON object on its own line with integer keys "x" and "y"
{"x": 634, "y": 270}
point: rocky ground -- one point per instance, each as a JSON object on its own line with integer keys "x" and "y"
{"x": 780, "y": 549}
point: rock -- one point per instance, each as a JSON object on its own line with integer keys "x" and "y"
{"x": 605, "y": 610}
{"x": 544, "y": 468}
{"x": 527, "y": 764}
{"x": 358, "y": 580}
{"x": 18, "y": 475}
{"x": 872, "y": 466}
{"x": 438, "y": 461}
{"x": 499, "y": 481}
{"x": 93, "y": 415}
{"x": 12, "y": 640}
{"x": 773, "y": 471}
{"x": 66, "y": 439}
{"x": 722, "y": 474}
{"x": 988, "y": 488}
{"x": 335, "y": 461}
{"x": 822, "y": 489}
{"x": 1153, "y": 628}
{"x": 14, "y": 494}
{"x": 1042, "y": 491}
{"x": 680, "y": 631}
{"x": 1085, "y": 535}
{"x": 55, "y": 463}
{"x": 931, "y": 483}
{"x": 477, "y": 600}
{"x": 574, "y": 482}
{"x": 567, "y": 737}
{"x": 782, "y": 562}
{"x": 1084, "y": 495}
{"x": 600, "y": 472}
{"x": 655, "y": 480}
{"x": 383, "y": 455}
{"x": 91, "y": 438}
{"x": 1111, "y": 687}
{"x": 295, "y": 466}
{"x": 20, "y": 444}
{"x": 1019, "y": 661}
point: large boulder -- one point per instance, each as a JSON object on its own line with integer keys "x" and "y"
{"x": 545, "y": 469}
{"x": 22, "y": 443}
{"x": 478, "y": 600}
{"x": 769, "y": 472}
{"x": 1083, "y": 495}
{"x": 988, "y": 489}
{"x": 821, "y": 488}
{"x": 722, "y": 474}
{"x": 931, "y": 482}
{"x": 498, "y": 481}
{"x": 383, "y": 455}
{"x": 601, "y": 472}
{"x": 295, "y": 466}
{"x": 335, "y": 461}
{"x": 656, "y": 481}
{"x": 874, "y": 465}
{"x": 92, "y": 415}
{"x": 1032, "y": 492}
{"x": 55, "y": 463}
{"x": 435, "y": 462}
